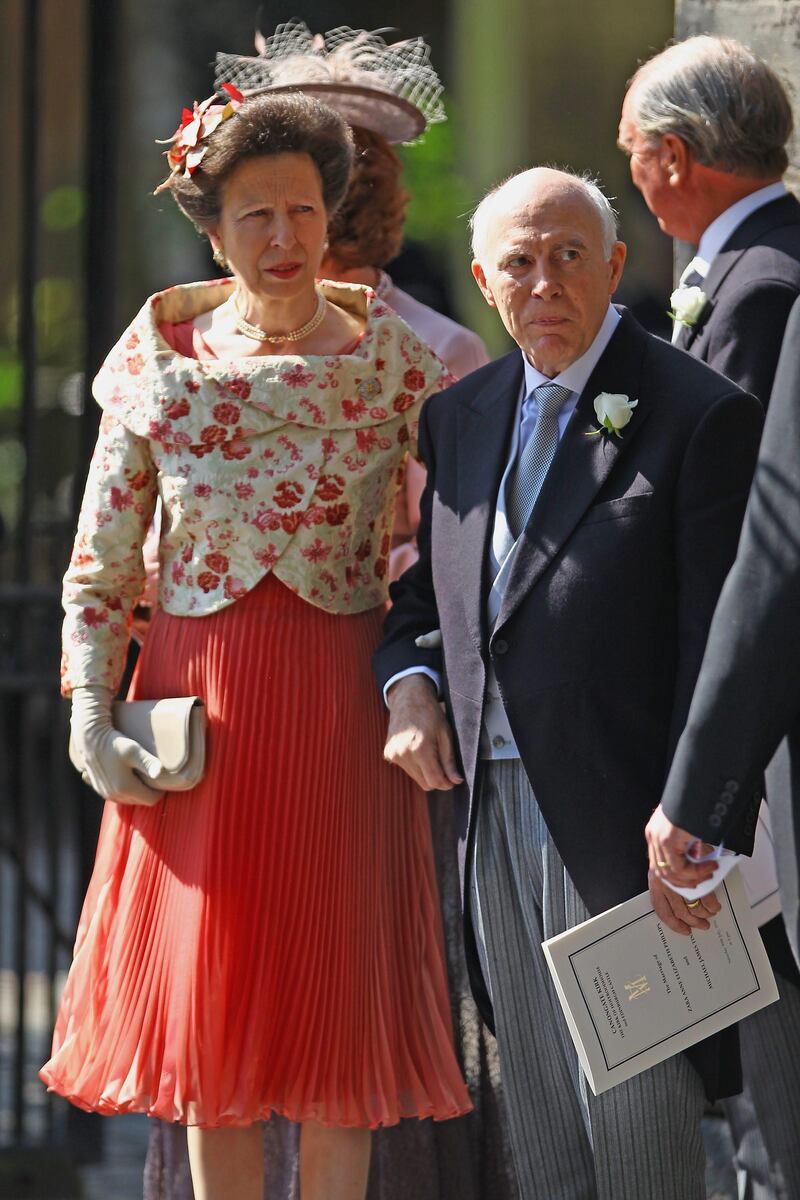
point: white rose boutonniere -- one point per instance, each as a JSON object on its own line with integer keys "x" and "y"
{"x": 614, "y": 411}
{"x": 687, "y": 305}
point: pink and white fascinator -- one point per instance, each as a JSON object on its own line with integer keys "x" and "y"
{"x": 391, "y": 89}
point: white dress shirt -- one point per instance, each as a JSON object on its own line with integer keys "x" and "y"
{"x": 721, "y": 228}
{"x": 497, "y": 741}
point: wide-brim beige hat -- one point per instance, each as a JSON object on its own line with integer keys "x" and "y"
{"x": 391, "y": 89}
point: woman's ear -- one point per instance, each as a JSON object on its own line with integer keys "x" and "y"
{"x": 218, "y": 252}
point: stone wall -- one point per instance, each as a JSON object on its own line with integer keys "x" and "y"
{"x": 770, "y": 27}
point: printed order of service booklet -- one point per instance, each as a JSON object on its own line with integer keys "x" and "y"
{"x": 634, "y": 993}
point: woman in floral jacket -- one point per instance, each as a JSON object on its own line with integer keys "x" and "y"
{"x": 268, "y": 942}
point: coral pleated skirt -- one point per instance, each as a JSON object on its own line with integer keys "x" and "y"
{"x": 270, "y": 941}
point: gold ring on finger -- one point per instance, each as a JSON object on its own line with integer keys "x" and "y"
{"x": 693, "y": 904}
{"x": 660, "y": 863}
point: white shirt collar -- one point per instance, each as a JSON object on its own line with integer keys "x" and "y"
{"x": 576, "y": 375}
{"x": 721, "y": 228}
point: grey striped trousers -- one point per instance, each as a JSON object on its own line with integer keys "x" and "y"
{"x": 639, "y": 1141}
{"x": 765, "y": 1120}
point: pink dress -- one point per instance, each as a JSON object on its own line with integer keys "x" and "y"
{"x": 270, "y": 941}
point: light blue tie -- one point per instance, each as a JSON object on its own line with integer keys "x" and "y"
{"x": 525, "y": 482}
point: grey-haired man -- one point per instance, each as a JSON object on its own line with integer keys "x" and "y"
{"x": 705, "y": 125}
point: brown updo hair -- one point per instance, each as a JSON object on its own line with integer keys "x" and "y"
{"x": 367, "y": 230}
{"x": 267, "y": 125}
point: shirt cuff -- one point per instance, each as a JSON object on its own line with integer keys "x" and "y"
{"x": 435, "y": 676}
{"x": 725, "y": 859}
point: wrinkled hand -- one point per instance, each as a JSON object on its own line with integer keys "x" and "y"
{"x": 113, "y": 763}
{"x": 419, "y": 738}
{"x": 674, "y": 911}
{"x": 666, "y": 848}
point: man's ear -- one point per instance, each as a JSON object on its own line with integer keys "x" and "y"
{"x": 479, "y": 276}
{"x": 675, "y": 159}
{"x": 619, "y": 252}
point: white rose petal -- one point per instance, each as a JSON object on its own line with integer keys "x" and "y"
{"x": 616, "y": 407}
{"x": 429, "y": 641}
{"x": 687, "y": 304}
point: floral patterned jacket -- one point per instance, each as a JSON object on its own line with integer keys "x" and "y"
{"x": 275, "y": 463}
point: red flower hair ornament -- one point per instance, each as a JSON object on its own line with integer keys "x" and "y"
{"x": 186, "y": 146}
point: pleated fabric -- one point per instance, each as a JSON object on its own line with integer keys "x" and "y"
{"x": 269, "y": 941}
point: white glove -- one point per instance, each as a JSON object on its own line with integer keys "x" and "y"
{"x": 114, "y": 765}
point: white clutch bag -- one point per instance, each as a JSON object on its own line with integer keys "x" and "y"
{"x": 174, "y": 730}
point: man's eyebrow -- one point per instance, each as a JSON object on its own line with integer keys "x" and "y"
{"x": 511, "y": 248}
{"x": 556, "y": 242}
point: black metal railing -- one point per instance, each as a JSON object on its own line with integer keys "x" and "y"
{"x": 41, "y": 856}
{"x": 48, "y": 820}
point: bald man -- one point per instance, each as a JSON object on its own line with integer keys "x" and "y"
{"x": 583, "y": 507}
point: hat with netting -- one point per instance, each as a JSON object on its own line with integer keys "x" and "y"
{"x": 391, "y": 89}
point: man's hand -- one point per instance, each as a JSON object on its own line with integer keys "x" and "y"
{"x": 419, "y": 738}
{"x": 675, "y": 912}
{"x": 666, "y": 847}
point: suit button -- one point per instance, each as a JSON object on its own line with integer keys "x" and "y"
{"x": 727, "y": 796}
{"x": 731, "y": 785}
{"x": 500, "y": 646}
{"x": 714, "y": 821}
{"x": 498, "y": 741}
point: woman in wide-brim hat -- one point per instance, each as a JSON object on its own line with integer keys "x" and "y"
{"x": 388, "y": 94}
{"x": 270, "y": 941}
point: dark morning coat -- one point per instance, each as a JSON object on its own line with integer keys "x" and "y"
{"x": 751, "y": 286}
{"x": 748, "y": 694}
{"x": 603, "y": 625}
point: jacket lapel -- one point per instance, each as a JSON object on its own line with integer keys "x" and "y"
{"x": 485, "y": 425}
{"x": 581, "y": 466}
{"x": 780, "y": 212}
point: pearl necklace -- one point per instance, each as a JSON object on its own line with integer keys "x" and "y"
{"x": 261, "y": 335}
